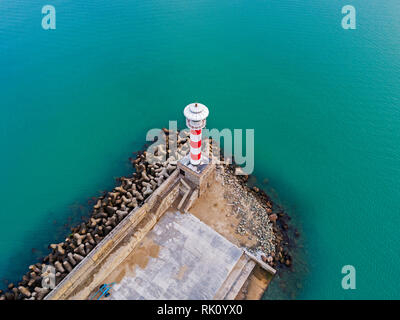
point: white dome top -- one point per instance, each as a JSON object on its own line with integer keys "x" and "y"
{"x": 196, "y": 112}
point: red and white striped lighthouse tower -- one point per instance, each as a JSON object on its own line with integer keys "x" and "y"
{"x": 196, "y": 114}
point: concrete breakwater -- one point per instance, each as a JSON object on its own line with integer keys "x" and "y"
{"x": 108, "y": 212}
{"x": 137, "y": 200}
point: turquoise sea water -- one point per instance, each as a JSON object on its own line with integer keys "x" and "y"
{"x": 324, "y": 103}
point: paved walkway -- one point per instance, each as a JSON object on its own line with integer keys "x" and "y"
{"x": 192, "y": 263}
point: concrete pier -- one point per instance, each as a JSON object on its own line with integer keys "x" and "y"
{"x": 160, "y": 252}
{"x": 192, "y": 263}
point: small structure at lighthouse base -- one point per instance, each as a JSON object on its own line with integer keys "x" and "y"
{"x": 199, "y": 176}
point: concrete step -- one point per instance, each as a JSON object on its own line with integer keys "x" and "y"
{"x": 190, "y": 200}
{"x": 244, "y": 275}
{"x": 231, "y": 278}
{"x": 188, "y": 191}
{"x": 159, "y": 198}
{"x": 189, "y": 183}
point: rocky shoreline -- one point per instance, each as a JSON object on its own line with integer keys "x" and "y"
{"x": 112, "y": 207}
{"x": 260, "y": 218}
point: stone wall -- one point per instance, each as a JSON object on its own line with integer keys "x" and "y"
{"x": 167, "y": 199}
{"x": 202, "y": 180}
{"x": 207, "y": 178}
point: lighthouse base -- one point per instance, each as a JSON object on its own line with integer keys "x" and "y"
{"x": 199, "y": 176}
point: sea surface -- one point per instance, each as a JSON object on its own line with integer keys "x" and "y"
{"x": 324, "y": 102}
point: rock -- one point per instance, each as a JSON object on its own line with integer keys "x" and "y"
{"x": 60, "y": 250}
{"x": 41, "y": 293}
{"x": 99, "y": 230}
{"x": 52, "y": 258}
{"x": 15, "y": 291}
{"x": 111, "y": 210}
{"x": 32, "y": 281}
{"x": 147, "y": 192}
{"x": 120, "y": 189}
{"x": 170, "y": 168}
{"x": 78, "y": 238}
{"x": 90, "y": 239}
{"x": 67, "y": 266}
{"x": 137, "y": 195}
{"x": 285, "y": 226}
{"x": 10, "y": 286}
{"x": 88, "y": 247}
{"x": 77, "y": 257}
{"x": 82, "y": 229}
{"x": 98, "y": 204}
{"x": 24, "y": 291}
{"x": 9, "y": 296}
{"x": 133, "y": 203}
{"x": 273, "y": 217}
{"x": 94, "y": 222}
{"x": 59, "y": 267}
{"x": 35, "y": 268}
{"x": 121, "y": 214}
{"x": 112, "y": 221}
{"x": 71, "y": 259}
{"x": 100, "y": 215}
{"x": 81, "y": 250}
{"x": 164, "y": 173}
{"x": 145, "y": 176}
{"x": 126, "y": 200}
{"x": 97, "y": 238}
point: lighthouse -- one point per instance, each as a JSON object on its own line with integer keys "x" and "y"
{"x": 196, "y": 171}
{"x": 196, "y": 115}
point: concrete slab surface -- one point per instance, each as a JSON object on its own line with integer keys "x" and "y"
{"x": 193, "y": 262}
